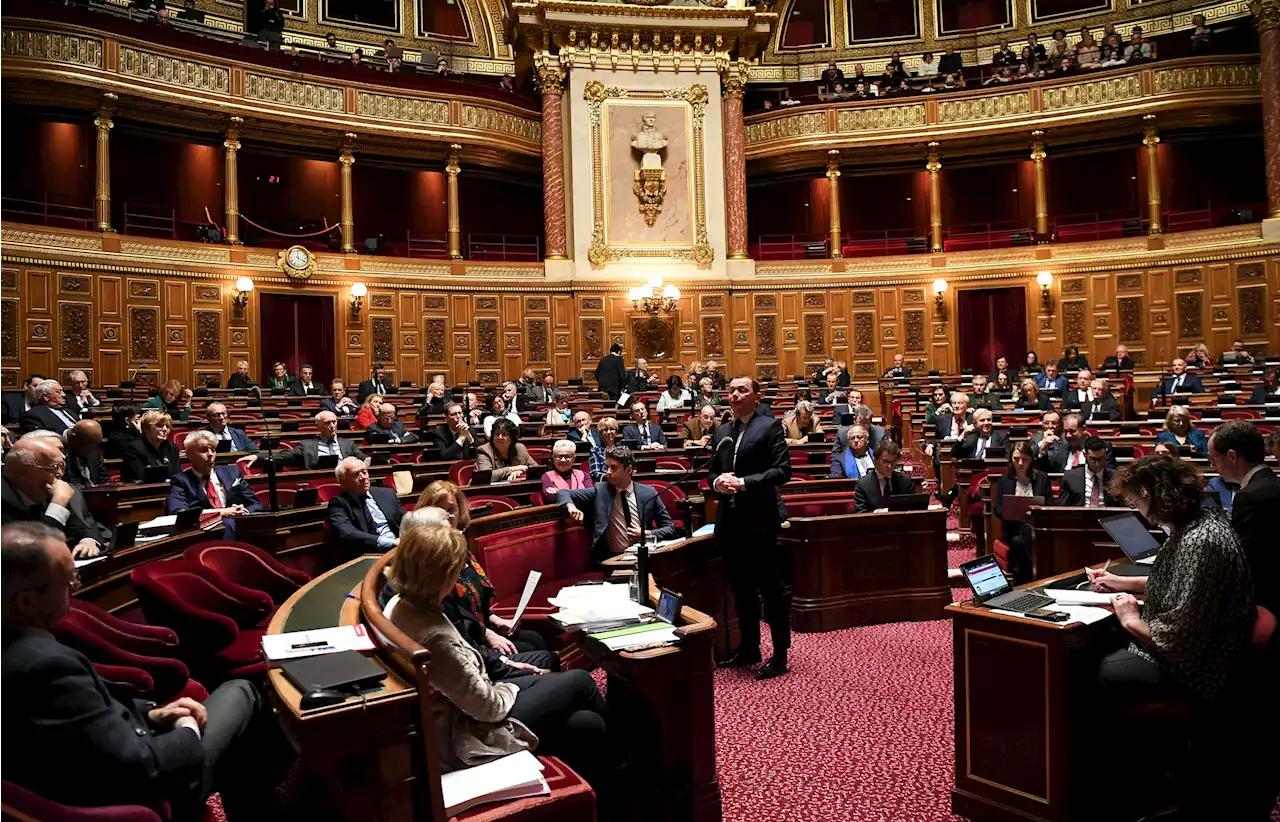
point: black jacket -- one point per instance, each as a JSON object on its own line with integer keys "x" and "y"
{"x": 611, "y": 375}
{"x": 307, "y": 453}
{"x": 1261, "y": 397}
{"x": 1110, "y": 364}
{"x": 1255, "y": 515}
{"x": 1054, "y": 460}
{"x": 397, "y": 432}
{"x": 370, "y": 387}
{"x": 866, "y": 492}
{"x": 447, "y": 441}
{"x": 329, "y": 404}
{"x": 139, "y": 456}
{"x": 1008, "y": 486}
{"x": 967, "y": 447}
{"x": 1071, "y": 489}
{"x": 86, "y": 471}
{"x": 80, "y": 524}
{"x": 13, "y": 406}
{"x": 352, "y": 524}
{"x": 763, "y": 461}
{"x": 299, "y": 390}
{"x": 1106, "y": 408}
{"x": 596, "y": 504}
{"x": 238, "y": 380}
{"x": 42, "y": 416}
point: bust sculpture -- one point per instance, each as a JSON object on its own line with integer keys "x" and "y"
{"x": 649, "y": 141}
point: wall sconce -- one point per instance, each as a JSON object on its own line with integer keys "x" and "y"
{"x": 244, "y": 286}
{"x": 939, "y": 288}
{"x": 358, "y": 291}
{"x": 655, "y": 298}
{"x": 1044, "y": 279}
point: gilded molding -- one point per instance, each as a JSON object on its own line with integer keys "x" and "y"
{"x": 404, "y": 109}
{"x": 805, "y": 124}
{"x": 52, "y": 46}
{"x": 489, "y": 119}
{"x": 175, "y": 252}
{"x": 173, "y": 71}
{"x": 1170, "y": 80}
{"x": 14, "y": 236}
{"x": 292, "y": 93}
{"x": 987, "y": 107}
{"x": 1100, "y": 91}
{"x": 880, "y": 118}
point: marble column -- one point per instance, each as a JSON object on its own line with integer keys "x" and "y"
{"x": 1266, "y": 17}
{"x": 231, "y": 181}
{"x": 455, "y": 226}
{"x": 933, "y": 165}
{"x": 735, "y": 161}
{"x": 1151, "y": 139}
{"x": 833, "y": 201}
{"x": 1038, "y": 156}
{"x": 551, "y": 81}
{"x": 347, "y": 218}
{"x": 102, "y": 162}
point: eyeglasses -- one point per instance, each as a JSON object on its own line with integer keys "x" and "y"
{"x": 56, "y": 467}
{"x": 218, "y": 414}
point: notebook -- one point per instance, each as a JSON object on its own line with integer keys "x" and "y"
{"x": 343, "y": 671}
{"x": 1015, "y": 508}
{"x": 511, "y": 777}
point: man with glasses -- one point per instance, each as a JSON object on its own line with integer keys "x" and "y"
{"x": 51, "y": 411}
{"x": 218, "y": 417}
{"x": 854, "y": 461}
{"x": 1086, "y": 485}
{"x": 453, "y": 436}
{"x": 32, "y": 490}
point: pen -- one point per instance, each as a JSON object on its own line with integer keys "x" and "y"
{"x": 1105, "y": 567}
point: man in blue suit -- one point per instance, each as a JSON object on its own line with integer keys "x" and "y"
{"x": 1051, "y": 379}
{"x": 647, "y": 434}
{"x": 614, "y": 509}
{"x": 216, "y": 415}
{"x": 212, "y": 487}
{"x": 854, "y": 458}
{"x": 1181, "y": 382}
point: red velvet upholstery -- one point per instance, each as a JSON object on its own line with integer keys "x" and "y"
{"x": 571, "y": 800}
{"x": 819, "y": 505}
{"x": 325, "y": 489}
{"x": 21, "y": 804}
{"x": 561, "y": 550}
{"x": 402, "y": 459}
{"x": 250, "y": 566}
{"x": 536, "y": 500}
{"x": 460, "y": 472}
{"x": 217, "y": 620}
{"x": 799, "y": 477}
{"x": 671, "y": 464}
{"x": 133, "y": 681}
{"x": 166, "y": 677}
{"x": 248, "y": 466}
{"x": 500, "y": 505}
{"x": 148, "y": 640}
{"x": 284, "y": 497}
{"x": 673, "y": 498}
{"x": 1001, "y": 550}
{"x": 1240, "y": 414}
{"x": 541, "y": 454}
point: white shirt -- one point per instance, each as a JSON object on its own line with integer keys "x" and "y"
{"x": 328, "y": 448}
{"x": 1245, "y": 482}
{"x": 221, "y": 501}
{"x": 866, "y": 462}
{"x": 52, "y": 510}
{"x": 1089, "y": 479}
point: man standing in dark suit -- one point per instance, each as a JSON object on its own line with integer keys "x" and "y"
{"x": 980, "y": 435}
{"x": 1102, "y": 407}
{"x": 611, "y": 373}
{"x": 364, "y": 518}
{"x": 215, "y": 413}
{"x": 648, "y": 435}
{"x": 121, "y": 750}
{"x": 1181, "y": 382}
{"x": 32, "y": 490}
{"x": 304, "y": 385}
{"x": 327, "y": 443}
{"x": 750, "y": 465}
{"x": 17, "y": 403}
{"x": 387, "y": 425}
{"x": 873, "y": 492}
{"x": 220, "y": 488}
{"x": 85, "y": 465}
{"x": 379, "y": 385}
{"x": 51, "y": 412}
{"x": 453, "y": 436}
{"x": 614, "y": 509}
{"x": 1087, "y": 484}
{"x": 1237, "y": 450}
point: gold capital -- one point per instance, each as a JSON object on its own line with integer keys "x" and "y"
{"x": 933, "y": 158}
{"x": 453, "y": 166}
{"x": 551, "y": 80}
{"x": 833, "y": 163}
{"x": 1266, "y": 14}
{"x": 1150, "y": 134}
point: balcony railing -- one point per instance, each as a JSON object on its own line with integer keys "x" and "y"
{"x": 504, "y": 247}
{"x": 50, "y": 210}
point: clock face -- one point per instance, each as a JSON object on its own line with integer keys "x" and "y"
{"x": 297, "y": 258}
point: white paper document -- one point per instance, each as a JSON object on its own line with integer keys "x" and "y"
{"x": 596, "y": 603}
{"x": 80, "y": 563}
{"x": 1085, "y": 614}
{"x": 511, "y": 777}
{"x": 636, "y": 640}
{"x": 297, "y": 644}
{"x": 1065, "y": 596}
{"x": 160, "y": 522}
{"x": 530, "y": 584}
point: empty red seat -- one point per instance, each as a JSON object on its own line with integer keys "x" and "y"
{"x": 250, "y": 566}
{"x": 325, "y": 489}
{"x": 560, "y": 550}
{"x": 498, "y": 504}
{"x": 460, "y": 472}
{"x": 21, "y": 804}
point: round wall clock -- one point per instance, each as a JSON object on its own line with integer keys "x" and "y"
{"x": 296, "y": 262}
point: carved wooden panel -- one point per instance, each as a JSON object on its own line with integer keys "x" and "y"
{"x": 713, "y": 336}
{"x": 208, "y": 336}
{"x": 1190, "y": 313}
{"x": 208, "y": 294}
{"x": 1074, "y": 286}
{"x": 1253, "y": 310}
{"x": 864, "y": 298}
{"x": 75, "y": 284}
{"x": 767, "y": 372}
{"x": 1188, "y": 276}
{"x": 9, "y": 328}
{"x": 1130, "y": 320}
{"x": 1129, "y": 282}
{"x": 914, "y": 321}
{"x": 537, "y": 332}
{"x": 382, "y": 301}
{"x": 766, "y": 336}
{"x": 653, "y": 338}
{"x": 711, "y": 302}
{"x": 766, "y": 302}
{"x": 383, "y": 336}
{"x": 535, "y": 304}
{"x": 1073, "y": 322}
{"x": 592, "y": 337}
{"x": 74, "y": 322}
{"x": 144, "y": 289}
{"x": 486, "y": 303}
{"x": 144, "y": 334}
{"x": 815, "y": 334}
{"x": 864, "y": 332}
{"x": 487, "y": 338}
{"x": 8, "y": 278}
{"x": 865, "y": 368}
{"x": 433, "y": 339}
{"x": 1249, "y": 271}
{"x": 913, "y": 295}
{"x": 592, "y": 304}
{"x": 816, "y": 300}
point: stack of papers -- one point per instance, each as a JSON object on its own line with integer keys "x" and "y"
{"x": 637, "y": 636}
{"x": 297, "y": 644}
{"x": 1084, "y": 614}
{"x": 596, "y": 603}
{"x": 1083, "y": 596}
{"x": 511, "y": 777}
{"x": 655, "y": 546}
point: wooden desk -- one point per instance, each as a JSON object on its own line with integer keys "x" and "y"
{"x": 867, "y": 569}
{"x": 1067, "y": 539}
{"x": 106, "y": 583}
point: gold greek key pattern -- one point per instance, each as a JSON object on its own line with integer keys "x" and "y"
{"x": 57, "y": 48}
{"x": 879, "y": 119}
{"x": 984, "y": 108}
{"x": 173, "y": 71}
{"x": 290, "y": 93}
{"x": 1094, "y": 92}
{"x": 406, "y": 109}
{"x": 529, "y": 271}
{"x": 490, "y": 119}
{"x": 1193, "y": 77}
{"x": 781, "y": 128}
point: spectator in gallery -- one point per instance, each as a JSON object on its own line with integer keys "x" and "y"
{"x": 271, "y": 27}
{"x": 331, "y": 41}
{"x": 895, "y": 60}
{"x": 1004, "y": 75}
{"x": 1200, "y": 36}
{"x": 391, "y": 50}
{"x": 1111, "y": 54}
{"x": 1058, "y": 48}
{"x": 1108, "y": 31}
{"x": 357, "y": 57}
{"x": 1088, "y": 53}
{"x": 1004, "y": 56}
{"x": 832, "y": 76}
{"x": 859, "y": 76}
{"x": 442, "y": 68}
{"x": 888, "y": 80}
{"x": 1138, "y": 50}
{"x": 507, "y": 83}
{"x": 1036, "y": 47}
{"x": 928, "y": 66}
{"x": 190, "y": 13}
{"x": 951, "y": 63}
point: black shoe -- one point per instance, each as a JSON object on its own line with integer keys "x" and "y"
{"x": 776, "y": 666}
{"x": 741, "y": 659}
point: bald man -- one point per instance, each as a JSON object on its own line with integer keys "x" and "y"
{"x": 327, "y": 443}
{"x": 364, "y": 517}
{"x": 32, "y": 490}
{"x": 85, "y": 466}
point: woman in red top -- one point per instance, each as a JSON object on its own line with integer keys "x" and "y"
{"x": 368, "y": 413}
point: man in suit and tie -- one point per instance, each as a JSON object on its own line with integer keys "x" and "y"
{"x": 852, "y": 456}
{"x": 979, "y": 436}
{"x": 545, "y": 391}
{"x": 1180, "y": 383}
{"x": 1068, "y": 452}
{"x": 750, "y": 464}
{"x": 1102, "y": 406}
{"x": 1120, "y": 362}
{"x": 220, "y": 488}
{"x": 80, "y": 393}
{"x": 713, "y": 373}
{"x": 873, "y": 492}
{"x": 364, "y": 518}
{"x": 1051, "y": 380}
{"x": 305, "y": 386}
{"x": 85, "y": 465}
{"x": 950, "y": 426}
{"x": 1237, "y": 450}
{"x": 639, "y": 379}
{"x": 379, "y": 385}
{"x": 51, "y": 412}
{"x": 1079, "y": 395}
{"x": 121, "y": 750}
{"x": 218, "y": 419}
{"x": 862, "y": 415}
{"x": 832, "y": 393}
{"x": 17, "y": 403}
{"x": 1087, "y": 484}
{"x": 1050, "y": 432}
{"x": 611, "y": 373}
{"x": 614, "y": 509}
{"x": 32, "y": 490}
{"x": 581, "y": 430}
{"x": 387, "y": 425}
{"x": 649, "y": 435}
{"x": 326, "y": 443}
{"x": 453, "y": 436}
{"x": 338, "y": 403}
{"x": 898, "y": 371}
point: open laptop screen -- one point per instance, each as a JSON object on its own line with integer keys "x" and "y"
{"x": 985, "y": 578}
{"x": 1131, "y": 535}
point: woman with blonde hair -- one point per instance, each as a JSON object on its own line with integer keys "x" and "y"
{"x": 476, "y": 719}
{"x": 153, "y": 448}
{"x": 1178, "y": 431}
{"x": 169, "y": 400}
{"x": 609, "y": 436}
{"x": 368, "y": 413}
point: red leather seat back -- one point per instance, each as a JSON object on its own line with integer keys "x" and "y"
{"x": 249, "y": 566}
{"x": 20, "y": 803}
{"x": 498, "y": 504}
{"x": 818, "y": 505}
{"x": 559, "y": 549}
{"x": 148, "y": 640}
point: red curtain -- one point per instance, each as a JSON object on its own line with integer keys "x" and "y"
{"x": 297, "y": 330}
{"x": 993, "y": 323}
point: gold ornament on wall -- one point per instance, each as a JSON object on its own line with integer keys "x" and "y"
{"x": 297, "y": 262}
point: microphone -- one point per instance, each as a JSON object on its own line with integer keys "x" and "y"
{"x": 133, "y": 382}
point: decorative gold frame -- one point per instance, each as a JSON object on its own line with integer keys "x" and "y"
{"x": 600, "y": 251}
{"x": 304, "y": 273}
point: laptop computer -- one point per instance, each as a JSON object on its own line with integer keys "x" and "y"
{"x": 306, "y": 497}
{"x": 1131, "y": 534}
{"x": 1015, "y": 508}
{"x": 224, "y": 446}
{"x": 123, "y": 536}
{"x": 347, "y": 671}
{"x": 992, "y": 588}
{"x": 329, "y": 461}
{"x": 909, "y": 502}
{"x": 154, "y": 474}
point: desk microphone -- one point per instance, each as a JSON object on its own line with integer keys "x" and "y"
{"x": 133, "y": 382}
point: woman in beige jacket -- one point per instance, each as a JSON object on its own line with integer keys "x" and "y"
{"x": 503, "y": 454}
{"x": 477, "y": 719}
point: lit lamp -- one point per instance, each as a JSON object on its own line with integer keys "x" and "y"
{"x": 655, "y": 298}
{"x": 1044, "y": 279}
{"x": 939, "y": 288}
{"x": 244, "y": 286}
{"x": 358, "y": 291}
